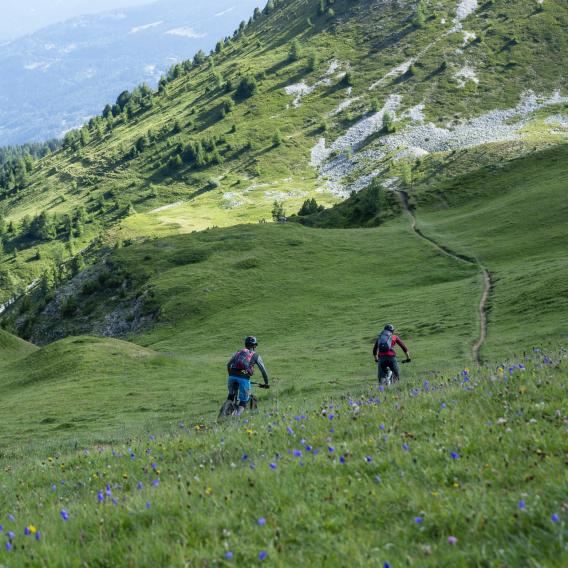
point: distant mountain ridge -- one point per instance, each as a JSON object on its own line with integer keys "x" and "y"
{"x": 57, "y": 78}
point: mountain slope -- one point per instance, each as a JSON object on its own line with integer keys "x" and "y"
{"x": 198, "y": 154}
{"x": 57, "y": 78}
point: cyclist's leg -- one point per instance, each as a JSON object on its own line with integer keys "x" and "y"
{"x": 233, "y": 387}
{"x": 395, "y": 368}
{"x": 244, "y": 394}
{"x": 383, "y": 368}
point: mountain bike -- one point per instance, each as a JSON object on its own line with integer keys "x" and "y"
{"x": 231, "y": 407}
{"x": 389, "y": 378}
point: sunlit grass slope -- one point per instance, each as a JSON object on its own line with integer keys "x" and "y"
{"x": 513, "y": 220}
{"x": 464, "y": 469}
{"x": 315, "y": 299}
{"x": 125, "y": 167}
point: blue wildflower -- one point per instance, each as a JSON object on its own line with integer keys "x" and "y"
{"x": 8, "y": 546}
{"x": 522, "y": 505}
{"x": 406, "y": 447}
{"x": 54, "y": 487}
{"x": 27, "y": 531}
{"x": 262, "y": 555}
{"x": 554, "y": 518}
{"x": 155, "y": 483}
{"x": 108, "y": 491}
{"x": 11, "y": 535}
{"x": 139, "y": 486}
{"x": 148, "y": 504}
{"x": 455, "y": 456}
{"x": 273, "y": 466}
{"x": 418, "y": 520}
{"x": 341, "y": 459}
{"x": 381, "y": 427}
{"x": 297, "y": 453}
{"x": 64, "y": 514}
{"x": 261, "y": 521}
{"x": 289, "y": 430}
{"x": 330, "y": 449}
{"x": 244, "y": 457}
{"x": 228, "y": 555}
{"x": 368, "y": 459}
{"x": 38, "y": 535}
{"x": 11, "y": 517}
{"x": 100, "y": 497}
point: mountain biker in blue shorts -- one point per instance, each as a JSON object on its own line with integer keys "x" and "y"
{"x": 241, "y": 368}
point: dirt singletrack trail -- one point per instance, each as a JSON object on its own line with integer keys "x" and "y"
{"x": 487, "y": 282}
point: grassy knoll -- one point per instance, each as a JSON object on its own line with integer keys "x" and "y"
{"x": 460, "y": 469}
{"x": 316, "y": 299}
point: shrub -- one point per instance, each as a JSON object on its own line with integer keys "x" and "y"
{"x": 247, "y": 88}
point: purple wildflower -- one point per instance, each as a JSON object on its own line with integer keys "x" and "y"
{"x": 308, "y": 448}
{"x": 297, "y": 453}
{"x": 11, "y": 517}
{"x": 8, "y": 546}
{"x": 554, "y": 518}
{"x": 155, "y": 482}
{"x": 114, "y": 502}
{"x": 418, "y": 520}
{"x": 289, "y": 430}
{"x": 262, "y": 555}
{"x": 522, "y": 505}
{"x": 108, "y": 491}
{"x": 406, "y": 447}
{"x": 27, "y": 531}
{"x": 455, "y": 456}
{"x": 386, "y": 565}
{"x": 64, "y": 514}
{"x": 100, "y": 497}
{"x": 378, "y": 479}
{"x": 38, "y": 535}
{"x": 261, "y": 521}
{"x": 330, "y": 449}
{"x": 341, "y": 459}
{"x": 11, "y": 535}
{"x": 368, "y": 459}
{"x": 1, "y": 528}
{"x": 148, "y": 504}
{"x": 228, "y": 555}
{"x": 154, "y": 466}
{"x": 244, "y": 457}
{"x": 54, "y": 487}
{"x": 452, "y": 540}
{"x": 273, "y": 466}
{"x": 381, "y": 427}
{"x": 331, "y": 416}
{"x": 139, "y": 486}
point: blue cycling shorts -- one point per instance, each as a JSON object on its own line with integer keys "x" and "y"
{"x": 242, "y": 385}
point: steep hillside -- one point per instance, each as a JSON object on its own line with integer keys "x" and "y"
{"x": 62, "y": 75}
{"x": 298, "y": 103}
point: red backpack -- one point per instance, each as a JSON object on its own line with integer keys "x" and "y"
{"x": 242, "y": 361}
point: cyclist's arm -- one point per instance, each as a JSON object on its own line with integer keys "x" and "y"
{"x": 260, "y": 364}
{"x": 376, "y": 349}
{"x": 403, "y": 347}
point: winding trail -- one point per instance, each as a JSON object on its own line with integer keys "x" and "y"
{"x": 487, "y": 280}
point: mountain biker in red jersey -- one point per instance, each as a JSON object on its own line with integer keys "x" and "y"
{"x": 385, "y": 355}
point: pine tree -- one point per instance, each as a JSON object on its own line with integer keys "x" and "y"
{"x": 295, "y": 51}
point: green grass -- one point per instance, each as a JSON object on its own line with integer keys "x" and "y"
{"x": 205, "y": 488}
{"x": 316, "y": 300}
{"x": 513, "y": 221}
{"x": 370, "y": 41}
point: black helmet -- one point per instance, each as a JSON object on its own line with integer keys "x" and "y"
{"x": 251, "y": 341}
{"x": 389, "y": 327}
